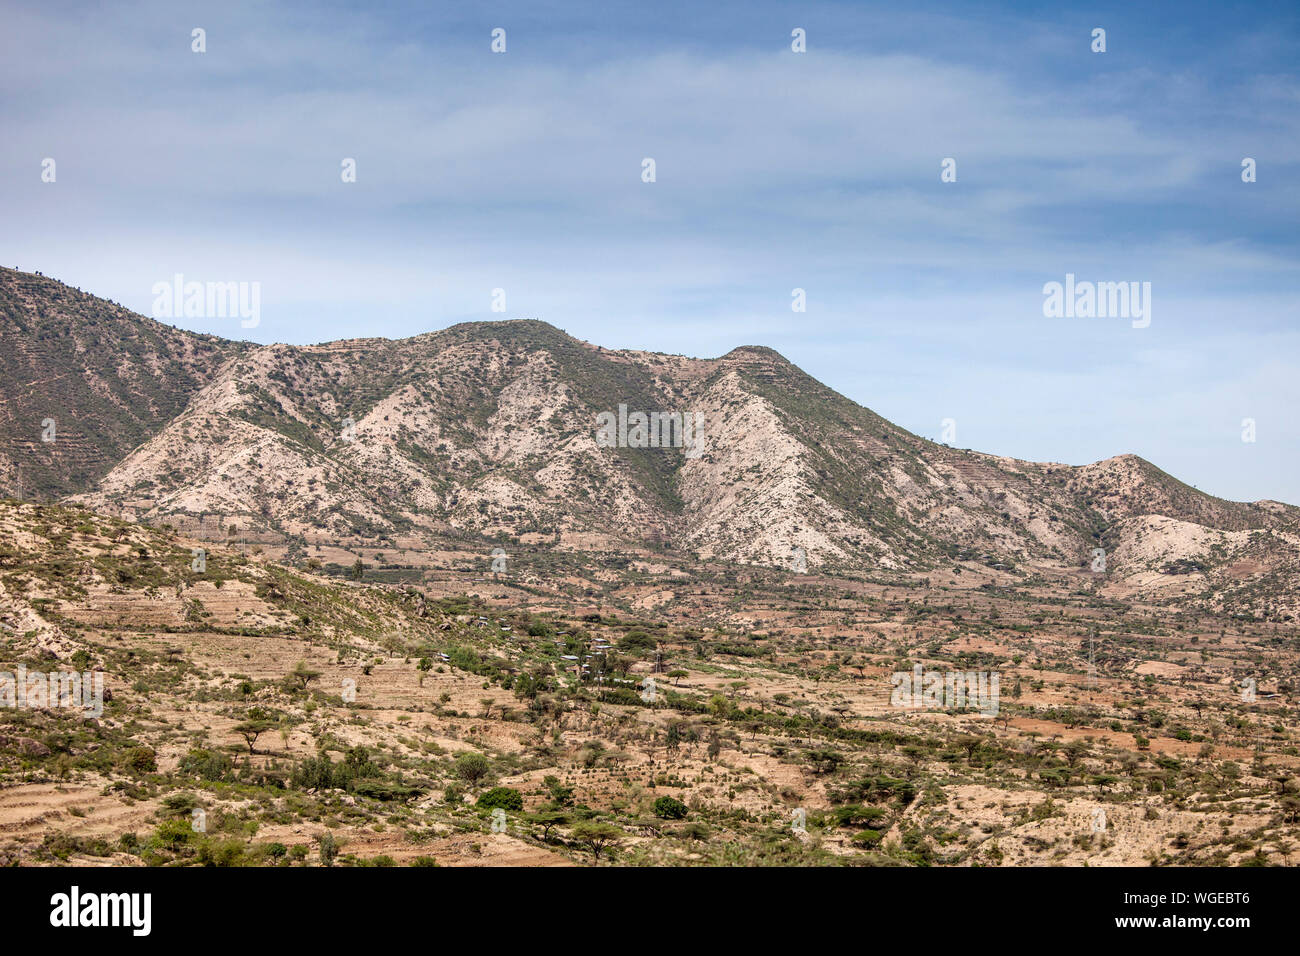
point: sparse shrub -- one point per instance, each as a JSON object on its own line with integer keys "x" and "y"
{"x": 329, "y": 849}
{"x": 694, "y": 830}
{"x": 141, "y": 760}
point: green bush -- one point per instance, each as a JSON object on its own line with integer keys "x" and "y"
{"x": 857, "y": 815}
{"x": 669, "y": 808}
{"x": 505, "y": 798}
{"x": 329, "y": 848}
{"x": 868, "y": 838}
{"x": 172, "y": 835}
{"x": 314, "y": 773}
{"x": 472, "y": 767}
{"x": 225, "y": 853}
{"x": 179, "y": 804}
{"x": 384, "y": 790}
{"x": 207, "y": 765}
{"x": 694, "y": 831}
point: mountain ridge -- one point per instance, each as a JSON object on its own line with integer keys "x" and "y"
{"x": 487, "y": 430}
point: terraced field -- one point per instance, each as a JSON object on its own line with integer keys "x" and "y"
{"x": 663, "y": 712}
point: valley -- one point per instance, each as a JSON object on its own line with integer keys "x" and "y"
{"x": 379, "y": 602}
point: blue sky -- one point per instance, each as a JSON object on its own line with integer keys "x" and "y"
{"x": 775, "y": 171}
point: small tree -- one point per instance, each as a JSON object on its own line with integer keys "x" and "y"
{"x": 329, "y": 849}
{"x": 969, "y": 743}
{"x": 303, "y": 674}
{"x": 1074, "y": 752}
{"x": 673, "y": 737}
{"x": 715, "y": 746}
{"x": 561, "y": 796}
{"x": 547, "y": 819}
{"x": 141, "y": 760}
{"x": 597, "y": 837}
{"x": 252, "y": 728}
{"x": 824, "y": 760}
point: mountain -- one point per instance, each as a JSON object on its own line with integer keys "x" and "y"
{"x": 107, "y": 378}
{"x": 490, "y": 432}
{"x": 273, "y": 562}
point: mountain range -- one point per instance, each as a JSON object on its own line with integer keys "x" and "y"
{"x": 489, "y": 432}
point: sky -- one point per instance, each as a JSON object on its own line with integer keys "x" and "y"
{"x": 774, "y": 170}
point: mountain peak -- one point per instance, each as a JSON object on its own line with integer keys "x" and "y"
{"x": 752, "y": 353}
{"x": 512, "y": 330}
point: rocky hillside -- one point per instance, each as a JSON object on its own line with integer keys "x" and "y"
{"x": 63, "y": 570}
{"x": 105, "y": 377}
{"x": 494, "y": 431}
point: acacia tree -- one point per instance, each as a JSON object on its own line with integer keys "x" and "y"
{"x": 303, "y": 674}
{"x": 547, "y": 819}
{"x": 597, "y": 837}
{"x": 969, "y": 743}
{"x": 1074, "y": 752}
{"x": 257, "y": 724}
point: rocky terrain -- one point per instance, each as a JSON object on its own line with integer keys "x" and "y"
{"x": 108, "y": 379}
{"x": 382, "y": 602}
{"x": 487, "y": 433}
{"x": 668, "y": 714}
